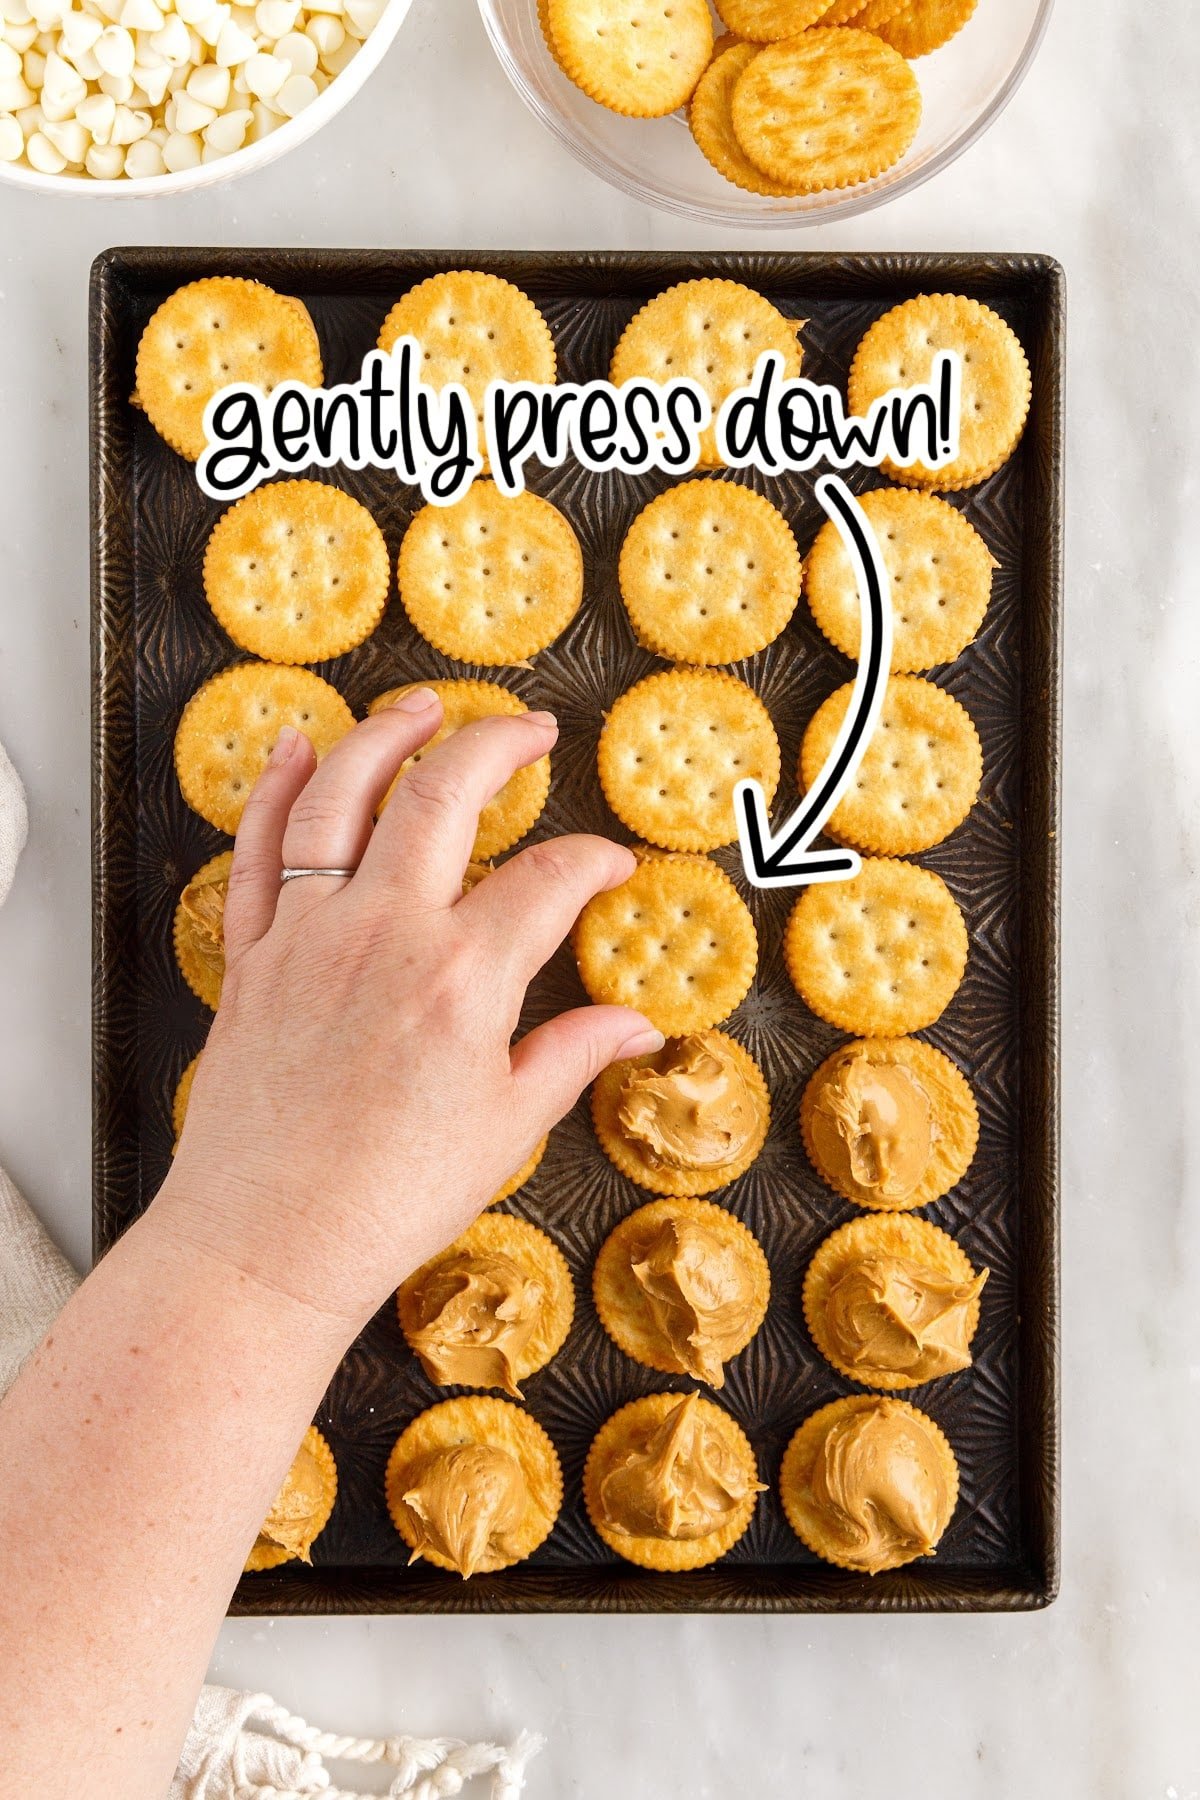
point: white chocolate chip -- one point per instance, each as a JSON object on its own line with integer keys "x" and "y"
{"x": 15, "y": 12}
{"x": 296, "y": 93}
{"x": 336, "y": 60}
{"x": 211, "y": 26}
{"x": 97, "y": 114}
{"x": 61, "y": 84}
{"x": 10, "y": 61}
{"x": 298, "y": 49}
{"x": 120, "y": 87}
{"x": 142, "y": 15}
{"x": 234, "y": 46}
{"x": 69, "y": 139}
{"x": 172, "y": 43}
{"x": 210, "y": 85}
{"x": 152, "y": 83}
{"x": 19, "y": 37}
{"x": 189, "y": 115}
{"x": 228, "y": 132}
{"x": 266, "y": 74}
{"x": 114, "y": 50}
{"x": 33, "y": 68}
{"x": 143, "y": 159}
{"x": 129, "y": 125}
{"x": 181, "y": 152}
{"x": 105, "y": 162}
{"x": 326, "y": 32}
{"x": 42, "y": 155}
{"x": 12, "y": 138}
{"x": 14, "y": 94}
{"x": 79, "y": 33}
{"x": 364, "y": 15}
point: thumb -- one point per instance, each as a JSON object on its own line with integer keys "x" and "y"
{"x": 554, "y": 1063}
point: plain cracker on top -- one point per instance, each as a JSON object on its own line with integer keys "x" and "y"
{"x": 826, "y": 109}
{"x": 765, "y": 21}
{"x": 898, "y": 350}
{"x": 213, "y": 332}
{"x": 297, "y": 572}
{"x": 711, "y": 121}
{"x": 925, "y": 25}
{"x": 229, "y": 728}
{"x": 493, "y": 578}
{"x": 673, "y": 748}
{"x": 517, "y": 807}
{"x": 473, "y": 329}
{"x": 709, "y": 572}
{"x": 919, "y": 777}
{"x": 711, "y": 330}
{"x": 939, "y": 570}
{"x": 881, "y": 954}
{"x": 638, "y": 57}
{"x": 676, "y": 941}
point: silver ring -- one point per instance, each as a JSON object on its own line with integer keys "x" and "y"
{"x": 286, "y": 875}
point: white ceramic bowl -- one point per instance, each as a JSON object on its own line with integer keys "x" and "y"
{"x": 964, "y": 87}
{"x": 239, "y": 162}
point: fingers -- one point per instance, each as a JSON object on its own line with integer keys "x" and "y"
{"x": 546, "y": 887}
{"x": 554, "y": 1064}
{"x": 426, "y": 833}
{"x": 258, "y": 849}
{"x": 331, "y": 820}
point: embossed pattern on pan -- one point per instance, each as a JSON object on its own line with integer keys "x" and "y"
{"x": 155, "y": 641}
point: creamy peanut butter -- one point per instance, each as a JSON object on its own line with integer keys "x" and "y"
{"x": 690, "y": 1107}
{"x": 700, "y": 1294}
{"x": 873, "y": 1124}
{"x": 894, "y": 1314}
{"x": 298, "y": 1514}
{"x": 475, "y": 1313}
{"x": 203, "y": 903}
{"x": 467, "y": 1502}
{"x": 681, "y": 1480}
{"x": 881, "y": 1487}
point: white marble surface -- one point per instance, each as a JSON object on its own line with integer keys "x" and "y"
{"x": 1096, "y": 161}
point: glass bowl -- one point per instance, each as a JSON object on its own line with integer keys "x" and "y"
{"x": 964, "y": 86}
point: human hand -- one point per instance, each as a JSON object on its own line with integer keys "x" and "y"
{"x": 359, "y": 1100}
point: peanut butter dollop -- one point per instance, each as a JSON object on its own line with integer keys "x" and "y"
{"x": 880, "y": 1483}
{"x": 476, "y": 1312}
{"x": 681, "y": 1481}
{"x": 203, "y": 904}
{"x": 873, "y": 1124}
{"x": 467, "y": 1501}
{"x": 888, "y": 1312}
{"x": 699, "y": 1293}
{"x": 690, "y": 1107}
{"x": 296, "y": 1518}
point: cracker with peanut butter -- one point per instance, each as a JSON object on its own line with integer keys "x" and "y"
{"x": 520, "y": 1176}
{"x": 674, "y": 747}
{"x": 676, "y": 941}
{"x": 869, "y": 1483}
{"x": 183, "y": 1094}
{"x": 688, "y": 1119}
{"x": 881, "y": 954}
{"x": 892, "y": 1302}
{"x": 682, "y": 1286}
{"x": 491, "y": 1309}
{"x": 919, "y": 777}
{"x": 473, "y": 1485}
{"x": 199, "y": 930}
{"x": 671, "y": 1482}
{"x": 300, "y": 1510}
{"x": 890, "y": 1123}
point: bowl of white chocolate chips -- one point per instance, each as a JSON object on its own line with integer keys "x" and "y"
{"x": 158, "y": 96}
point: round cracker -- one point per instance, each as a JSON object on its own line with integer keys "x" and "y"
{"x": 709, "y": 573}
{"x": 213, "y": 332}
{"x": 202, "y": 967}
{"x": 675, "y": 941}
{"x": 826, "y": 109}
{"x": 229, "y": 728}
{"x": 672, "y": 750}
{"x": 939, "y": 570}
{"x": 713, "y": 331}
{"x": 952, "y": 1104}
{"x": 621, "y": 1300}
{"x": 815, "y": 1527}
{"x": 921, "y": 26}
{"x": 265, "y": 1555}
{"x": 898, "y": 351}
{"x": 876, "y": 13}
{"x": 183, "y": 1095}
{"x": 658, "y": 1177}
{"x": 919, "y": 777}
{"x": 479, "y": 1419}
{"x": 521, "y": 1176}
{"x": 882, "y": 1234}
{"x": 518, "y": 806}
{"x": 766, "y": 21}
{"x": 882, "y": 954}
{"x": 297, "y": 572}
{"x": 493, "y": 578}
{"x": 638, "y": 1421}
{"x": 842, "y": 12}
{"x": 711, "y": 123}
{"x": 473, "y": 329}
{"x": 637, "y": 57}
{"x": 536, "y": 1255}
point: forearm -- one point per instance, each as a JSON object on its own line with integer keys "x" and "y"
{"x": 141, "y": 1448}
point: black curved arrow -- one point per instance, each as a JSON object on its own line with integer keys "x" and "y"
{"x": 783, "y": 858}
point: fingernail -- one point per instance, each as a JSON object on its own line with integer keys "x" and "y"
{"x": 541, "y": 718}
{"x": 643, "y": 1043}
{"x": 284, "y": 745}
{"x": 419, "y": 700}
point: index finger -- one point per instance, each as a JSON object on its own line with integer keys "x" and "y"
{"x": 426, "y": 832}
